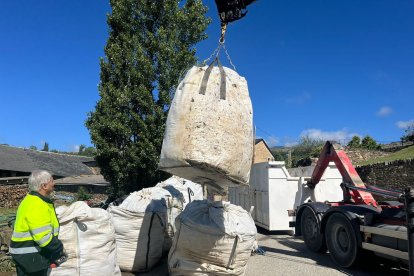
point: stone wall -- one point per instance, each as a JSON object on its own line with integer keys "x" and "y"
{"x": 394, "y": 175}
{"x": 11, "y": 195}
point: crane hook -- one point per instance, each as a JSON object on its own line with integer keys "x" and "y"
{"x": 223, "y": 32}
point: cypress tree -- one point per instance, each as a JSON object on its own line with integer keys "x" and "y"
{"x": 150, "y": 45}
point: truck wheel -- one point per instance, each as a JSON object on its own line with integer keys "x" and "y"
{"x": 341, "y": 241}
{"x": 311, "y": 234}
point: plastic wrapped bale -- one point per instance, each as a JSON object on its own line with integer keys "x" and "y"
{"x": 140, "y": 228}
{"x": 209, "y": 130}
{"x": 212, "y": 238}
{"x": 88, "y": 237}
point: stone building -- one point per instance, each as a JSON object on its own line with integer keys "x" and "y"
{"x": 262, "y": 152}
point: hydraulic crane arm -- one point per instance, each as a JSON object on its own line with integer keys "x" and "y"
{"x": 334, "y": 153}
{"x": 231, "y": 10}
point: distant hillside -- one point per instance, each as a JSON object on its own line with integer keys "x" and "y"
{"x": 358, "y": 156}
{"x": 404, "y": 154}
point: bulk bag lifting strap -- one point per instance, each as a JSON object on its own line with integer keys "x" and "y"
{"x": 206, "y": 76}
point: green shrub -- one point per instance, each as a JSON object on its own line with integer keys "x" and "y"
{"x": 83, "y": 194}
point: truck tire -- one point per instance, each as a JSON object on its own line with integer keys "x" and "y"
{"x": 342, "y": 241}
{"x": 312, "y": 236}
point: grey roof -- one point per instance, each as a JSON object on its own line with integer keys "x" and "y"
{"x": 26, "y": 160}
{"x": 83, "y": 179}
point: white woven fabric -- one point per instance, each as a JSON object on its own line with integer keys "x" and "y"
{"x": 182, "y": 189}
{"x": 209, "y": 140}
{"x": 89, "y": 239}
{"x": 140, "y": 228}
{"x": 212, "y": 238}
{"x": 182, "y": 192}
{"x": 139, "y": 238}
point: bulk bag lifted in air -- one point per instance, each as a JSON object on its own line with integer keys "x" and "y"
{"x": 209, "y": 129}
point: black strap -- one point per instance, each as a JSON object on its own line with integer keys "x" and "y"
{"x": 149, "y": 238}
{"x": 206, "y": 76}
{"x": 232, "y": 255}
{"x": 190, "y": 193}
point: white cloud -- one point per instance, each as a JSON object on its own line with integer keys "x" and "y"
{"x": 272, "y": 141}
{"x": 405, "y": 124}
{"x": 290, "y": 144}
{"x": 384, "y": 111}
{"x": 74, "y": 148}
{"x": 341, "y": 136}
{"x": 299, "y": 99}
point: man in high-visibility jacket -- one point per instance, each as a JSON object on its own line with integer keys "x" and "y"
{"x": 34, "y": 244}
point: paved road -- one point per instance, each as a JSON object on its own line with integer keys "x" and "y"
{"x": 286, "y": 256}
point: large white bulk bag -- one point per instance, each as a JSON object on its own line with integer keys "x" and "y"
{"x": 212, "y": 238}
{"x": 195, "y": 191}
{"x": 209, "y": 130}
{"x": 88, "y": 237}
{"x": 140, "y": 228}
{"x": 182, "y": 189}
{"x": 139, "y": 201}
{"x": 181, "y": 195}
{"x": 139, "y": 238}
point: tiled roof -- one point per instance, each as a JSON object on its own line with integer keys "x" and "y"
{"x": 26, "y": 160}
{"x": 83, "y": 179}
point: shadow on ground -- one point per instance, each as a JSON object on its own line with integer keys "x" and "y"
{"x": 296, "y": 250}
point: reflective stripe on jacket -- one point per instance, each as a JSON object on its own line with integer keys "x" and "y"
{"x": 34, "y": 242}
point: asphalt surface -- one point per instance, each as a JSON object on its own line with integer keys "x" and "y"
{"x": 286, "y": 255}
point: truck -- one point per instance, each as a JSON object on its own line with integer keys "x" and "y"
{"x": 353, "y": 226}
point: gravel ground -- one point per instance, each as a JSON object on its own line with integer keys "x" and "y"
{"x": 286, "y": 255}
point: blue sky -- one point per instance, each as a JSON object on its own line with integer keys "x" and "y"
{"x": 322, "y": 68}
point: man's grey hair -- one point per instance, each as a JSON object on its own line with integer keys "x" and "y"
{"x": 37, "y": 178}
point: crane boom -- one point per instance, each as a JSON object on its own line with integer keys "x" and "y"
{"x": 333, "y": 152}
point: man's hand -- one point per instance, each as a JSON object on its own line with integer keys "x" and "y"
{"x": 63, "y": 258}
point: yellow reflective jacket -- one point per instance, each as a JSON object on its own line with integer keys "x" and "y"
{"x": 34, "y": 243}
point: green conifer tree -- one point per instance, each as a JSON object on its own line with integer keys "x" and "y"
{"x": 46, "y": 147}
{"x": 150, "y": 45}
{"x": 369, "y": 143}
{"x": 355, "y": 142}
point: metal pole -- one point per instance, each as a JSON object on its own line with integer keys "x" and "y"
{"x": 409, "y": 206}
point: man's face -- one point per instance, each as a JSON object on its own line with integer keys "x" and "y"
{"x": 49, "y": 187}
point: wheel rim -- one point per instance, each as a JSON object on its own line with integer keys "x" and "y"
{"x": 341, "y": 240}
{"x": 311, "y": 227}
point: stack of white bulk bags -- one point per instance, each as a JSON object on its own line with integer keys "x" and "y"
{"x": 88, "y": 237}
{"x": 140, "y": 228}
{"x": 182, "y": 189}
{"x": 181, "y": 195}
{"x": 209, "y": 129}
{"x": 212, "y": 238}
